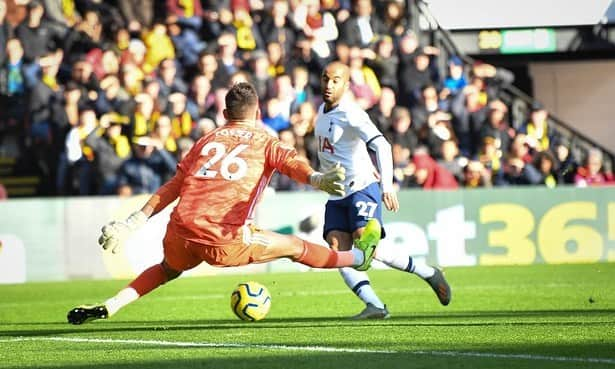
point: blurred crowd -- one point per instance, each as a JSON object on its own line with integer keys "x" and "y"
{"x": 104, "y": 97}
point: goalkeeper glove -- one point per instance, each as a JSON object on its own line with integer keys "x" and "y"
{"x": 114, "y": 233}
{"x": 330, "y": 181}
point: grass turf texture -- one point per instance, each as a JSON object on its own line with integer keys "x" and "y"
{"x": 500, "y": 317}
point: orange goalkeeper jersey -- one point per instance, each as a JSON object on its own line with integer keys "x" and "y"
{"x": 221, "y": 180}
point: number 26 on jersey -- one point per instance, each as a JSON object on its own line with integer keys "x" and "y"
{"x": 232, "y": 167}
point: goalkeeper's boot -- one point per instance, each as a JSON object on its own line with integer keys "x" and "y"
{"x": 372, "y": 312}
{"x": 368, "y": 243}
{"x": 440, "y": 286}
{"x": 86, "y": 313}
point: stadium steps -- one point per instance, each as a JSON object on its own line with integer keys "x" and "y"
{"x": 17, "y": 185}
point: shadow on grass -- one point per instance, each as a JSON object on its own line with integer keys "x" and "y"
{"x": 175, "y": 358}
{"x": 449, "y": 319}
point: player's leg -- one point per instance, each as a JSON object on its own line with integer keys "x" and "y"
{"x": 176, "y": 259}
{"x": 340, "y": 219}
{"x": 403, "y": 261}
{"x": 267, "y": 246}
{"x": 358, "y": 281}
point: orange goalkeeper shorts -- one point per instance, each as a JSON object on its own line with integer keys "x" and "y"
{"x": 181, "y": 254}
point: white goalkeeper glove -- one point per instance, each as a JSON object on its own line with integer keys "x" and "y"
{"x": 114, "y": 233}
{"x": 330, "y": 181}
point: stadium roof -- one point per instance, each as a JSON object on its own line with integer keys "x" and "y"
{"x": 485, "y": 14}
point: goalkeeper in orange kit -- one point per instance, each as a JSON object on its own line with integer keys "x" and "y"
{"x": 219, "y": 184}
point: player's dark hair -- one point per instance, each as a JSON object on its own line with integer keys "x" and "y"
{"x": 240, "y": 100}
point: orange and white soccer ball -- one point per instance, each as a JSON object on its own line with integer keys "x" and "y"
{"x": 251, "y": 301}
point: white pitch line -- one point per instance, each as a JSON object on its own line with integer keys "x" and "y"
{"x": 315, "y": 349}
{"x": 198, "y": 344}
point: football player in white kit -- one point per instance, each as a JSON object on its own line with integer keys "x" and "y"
{"x": 344, "y": 133}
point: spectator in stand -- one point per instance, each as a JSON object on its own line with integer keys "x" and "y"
{"x": 82, "y": 76}
{"x": 84, "y": 37}
{"x": 143, "y": 119}
{"x": 451, "y": 161}
{"x": 151, "y": 87}
{"x": 5, "y": 31}
{"x": 131, "y": 79}
{"x": 415, "y": 72}
{"x": 537, "y": 129}
{"x": 170, "y": 81}
{"x": 497, "y": 127}
{"x": 203, "y": 127}
{"x": 401, "y": 133}
{"x": 227, "y": 49}
{"x": 456, "y": 79}
{"x": 317, "y": 28}
{"x": 395, "y": 19}
{"x": 428, "y": 104}
{"x": 490, "y": 156}
{"x": 44, "y": 101}
{"x": 135, "y": 54}
{"x": 163, "y": 136}
{"x": 303, "y": 122}
{"x": 384, "y": 62}
{"x": 159, "y": 47}
{"x": 216, "y": 112}
{"x": 283, "y": 91}
{"x": 112, "y": 97}
{"x": 469, "y": 114}
{"x": 363, "y": 81}
{"x": 279, "y": 181}
{"x": 144, "y": 171}
{"x": 62, "y": 13}
{"x": 277, "y": 59}
{"x": 519, "y": 149}
{"x": 201, "y": 97}
{"x": 437, "y": 131}
{"x": 181, "y": 121}
{"x": 403, "y": 168}
{"x": 408, "y": 49}
{"x": 209, "y": 67}
{"x": 476, "y": 175}
{"x": 302, "y": 90}
{"x": 186, "y": 42}
{"x": 35, "y": 34}
{"x": 381, "y": 114}
{"x": 363, "y": 27}
{"x": 278, "y": 28}
{"x": 273, "y": 117}
{"x": 564, "y": 161}
{"x": 110, "y": 64}
{"x": 429, "y": 174}
{"x": 138, "y": 13}
{"x": 111, "y": 148}
{"x": 259, "y": 70}
{"x": 545, "y": 163}
{"x": 186, "y": 13}
{"x": 593, "y": 173}
{"x": 516, "y": 172}
{"x": 77, "y": 177}
{"x": 13, "y": 94}
{"x": 247, "y": 34}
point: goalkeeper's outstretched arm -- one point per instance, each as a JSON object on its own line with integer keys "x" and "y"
{"x": 114, "y": 233}
{"x": 329, "y": 181}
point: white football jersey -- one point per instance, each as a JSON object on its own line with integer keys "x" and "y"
{"x": 343, "y": 134}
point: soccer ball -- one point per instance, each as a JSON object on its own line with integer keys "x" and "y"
{"x": 251, "y": 301}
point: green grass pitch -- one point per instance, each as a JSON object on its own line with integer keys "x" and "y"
{"x": 500, "y": 317}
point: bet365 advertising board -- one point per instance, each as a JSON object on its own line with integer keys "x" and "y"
{"x": 55, "y": 239}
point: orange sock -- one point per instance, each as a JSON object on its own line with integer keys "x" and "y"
{"x": 151, "y": 278}
{"x": 318, "y": 256}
